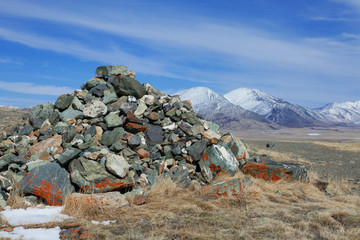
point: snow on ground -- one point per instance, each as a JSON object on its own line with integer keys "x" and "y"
{"x": 32, "y": 233}
{"x": 18, "y": 217}
{"x": 103, "y": 222}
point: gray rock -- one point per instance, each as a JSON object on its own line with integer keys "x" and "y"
{"x": 95, "y": 109}
{"x": 49, "y": 182}
{"x": 98, "y": 91}
{"x": 154, "y": 135}
{"x": 68, "y": 155}
{"x": 196, "y": 150}
{"x": 76, "y": 104}
{"x": 117, "y": 165}
{"x": 36, "y": 123}
{"x": 43, "y": 111}
{"x": 109, "y": 96}
{"x": 26, "y": 130}
{"x": 134, "y": 141}
{"x": 70, "y": 114}
{"x": 113, "y": 120}
{"x": 104, "y": 71}
{"x": 63, "y": 102}
{"x": 125, "y": 86}
{"x": 92, "y": 83}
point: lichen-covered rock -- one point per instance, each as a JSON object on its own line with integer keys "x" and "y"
{"x": 49, "y": 182}
{"x": 217, "y": 158}
{"x": 112, "y": 200}
{"x": 45, "y": 146}
{"x": 273, "y": 171}
{"x": 231, "y": 188}
{"x": 91, "y": 176}
{"x": 236, "y": 146}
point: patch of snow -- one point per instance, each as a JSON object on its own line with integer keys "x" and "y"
{"x": 17, "y": 217}
{"x": 103, "y": 222}
{"x": 32, "y": 233}
{"x": 314, "y": 134}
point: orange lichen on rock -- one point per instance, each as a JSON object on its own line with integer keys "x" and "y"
{"x": 50, "y": 192}
{"x": 106, "y": 184}
{"x": 261, "y": 170}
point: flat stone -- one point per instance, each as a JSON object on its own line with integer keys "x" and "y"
{"x": 104, "y": 71}
{"x": 135, "y": 127}
{"x": 43, "y": 146}
{"x": 143, "y": 153}
{"x": 196, "y": 150}
{"x": 134, "y": 141}
{"x": 93, "y": 83}
{"x": 273, "y": 171}
{"x": 49, "y": 182}
{"x": 98, "y": 91}
{"x": 109, "y": 96}
{"x": 70, "y": 114}
{"x": 68, "y": 156}
{"x": 139, "y": 200}
{"x": 154, "y": 135}
{"x": 212, "y": 136}
{"x": 109, "y": 200}
{"x": 231, "y": 188}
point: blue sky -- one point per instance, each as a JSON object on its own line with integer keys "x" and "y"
{"x": 304, "y": 51}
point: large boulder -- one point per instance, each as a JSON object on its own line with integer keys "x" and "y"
{"x": 217, "y": 158}
{"x": 273, "y": 171}
{"x": 236, "y": 146}
{"x": 49, "y": 181}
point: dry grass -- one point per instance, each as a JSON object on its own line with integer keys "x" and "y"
{"x": 352, "y": 147}
{"x": 278, "y": 156}
{"x": 16, "y": 198}
{"x": 266, "y": 210}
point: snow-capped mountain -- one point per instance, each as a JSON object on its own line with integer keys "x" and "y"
{"x": 347, "y": 113}
{"x": 27, "y": 109}
{"x": 214, "y": 107}
{"x": 274, "y": 109}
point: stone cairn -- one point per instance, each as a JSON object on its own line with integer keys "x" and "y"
{"x": 115, "y": 138}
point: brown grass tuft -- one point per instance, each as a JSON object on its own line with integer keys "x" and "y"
{"x": 16, "y": 198}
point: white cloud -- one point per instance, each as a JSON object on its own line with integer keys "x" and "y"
{"x": 10, "y": 61}
{"x": 30, "y": 88}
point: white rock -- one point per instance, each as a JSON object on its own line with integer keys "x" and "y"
{"x": 95, "y": 109}
{"x": 117, "y": 164}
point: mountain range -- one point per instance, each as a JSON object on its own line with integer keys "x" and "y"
{"x": 254, "y": 108}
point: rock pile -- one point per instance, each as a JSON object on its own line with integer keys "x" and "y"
{"x": 115, "y": 134}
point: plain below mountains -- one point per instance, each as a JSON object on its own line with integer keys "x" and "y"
{"x": 252, "y": 108}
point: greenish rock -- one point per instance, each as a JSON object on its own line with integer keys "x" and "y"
{"x": 68, "y": 134}
{"x": 167, "y": 152}
{"x": 110, "y": 137}
{"x": 197, "y": 129}
{"x": 5, "y": 145}
{"x": 109, "y": 96}
{"x": 217, "y": 158}
{"x": 191, "y": 118}
{"x": 126, "y": 86}
{"x": 26, "y": 130}
{"x": 113, "y": 120}
{"x": 70, "y": 114}
{"x": 76, "y": 104}
{"x": 181, "y": 177}
{"x": 176, "y": 150}
{"x": 68, "y": 155}
{"x": 6, "y": 160}
{"x": 213, "y": 126}
{"x": 43, "y": 111}
{"x": 92, "y": 83}
{"x": 236, "y": 146}
{"x": 3, "y": 202}
{"x": 231, "y": 188}
{"x": 89, "y": 132}
{"x": 37, "y": 163}
{"x": 117, "y": 146}
{"x": 171, "y": 113}
{"x": 91, "y": 176}
{"x": 151, "y": 90}
{"x": 63, "y": 102}
{"x": 105, "y": 71}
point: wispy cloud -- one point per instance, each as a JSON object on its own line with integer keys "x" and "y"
{"x": 10, "y": 61}
{"x": 30, "y": 88}
{"x": 334, "y": 19}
